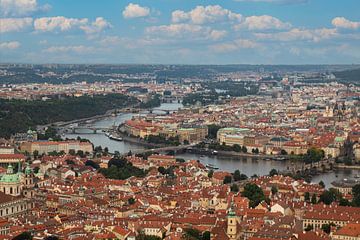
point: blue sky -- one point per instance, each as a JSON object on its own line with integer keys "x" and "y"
{"x": 180, "y": 31}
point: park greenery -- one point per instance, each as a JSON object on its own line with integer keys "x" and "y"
{"x": 20, "y": 115}
{"x": 154, "y": 101}
{"x": 160, "y": 139}
{"x": 212, "y": 131}
{"x": 254, "y": 193}
{"x": 120, "y": 168}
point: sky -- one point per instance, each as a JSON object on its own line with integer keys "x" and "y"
{"x": 180, "y": 31}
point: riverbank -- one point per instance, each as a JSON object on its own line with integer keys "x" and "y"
{"x": 343, "y": 166}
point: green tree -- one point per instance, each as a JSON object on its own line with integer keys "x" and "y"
{"x": 162, "y": 170}
{"x": 322, "y": 184}
{"x": 212, "y": 131}
{"x": 309, "y": 228}
{"x": 274, "y": 190}
{"x": 92, "y": 164}
{"x": 254, "y": 193}
{"x": 72, "y": 152}
{"x": 344, "y": 202}
{"x": 237, "y": 175}
{"x": 206, "y": 235}
{"x": 307, "y": 197}
{"x": 313, "y": 199}
{"x": 36, "y": 154}
{"x": 227, "y": 179}
{"x": 180, "y": 160}
{"x": 244, "y": 149}
{"x": 131, "y": 201}
{"x": 327, "y": 197}
{"x": 237, "y": 148}
{"x": 327, "y": 227}
{"x": 234, "y": 188}
{"x": 210, "y": 173}
{"x": 192, "y": 234}
{"x": 283, "y": 152}
{"x": 24, "y": 236}
{"x": 314, "y": 155}
{"x": 273, "y": 172}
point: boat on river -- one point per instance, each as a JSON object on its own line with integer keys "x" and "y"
{"x": 116, "y": 138}
{"x": 211, "y": 166}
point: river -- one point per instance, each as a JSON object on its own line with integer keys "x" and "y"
{"x": 247, "y": 166}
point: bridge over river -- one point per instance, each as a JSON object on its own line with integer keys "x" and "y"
{"x": 321, "y": 166}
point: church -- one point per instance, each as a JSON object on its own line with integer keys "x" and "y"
{"x": 16, "y": 191}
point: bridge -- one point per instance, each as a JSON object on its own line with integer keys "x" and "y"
{"x": 161, "y": 149}
{"x": 80, "y": 129}
{"x": 321, "y": 166}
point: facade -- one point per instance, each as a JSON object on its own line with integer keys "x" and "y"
{"x": 232, "y": 136}
{"x": 344, "y": 186}
{"x": 349, "y": 232}
{"x": 6, "y": 159}
{"x": 321, "y": 214}
{"x": 191, "y": 135}
{"x": 12, "y": 206}
{"x": 45, "y": 147}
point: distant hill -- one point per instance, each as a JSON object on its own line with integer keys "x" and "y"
{"x": 349, "y": 76}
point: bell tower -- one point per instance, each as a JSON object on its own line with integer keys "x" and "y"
{"x": 231, "y": 223}
{"x": 28, "y": 182}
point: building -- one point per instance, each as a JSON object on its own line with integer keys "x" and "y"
{"x": 320, "y": 214}
{"x": 45, "y": 147}
{"x": 191, "y": 135}
{"x": 140, "y": 128}
{"x": 6, "y": 149}
{"x": 232, "y": 136}
{"x": 12, "y": 206}
{"x": 344, "y": 186}
{"x": 350, "y": 231}
{"x": 10, "y": 183}
{"x": 6, "y": 159}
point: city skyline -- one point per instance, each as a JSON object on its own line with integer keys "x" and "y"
{"x": 191, "y": 32}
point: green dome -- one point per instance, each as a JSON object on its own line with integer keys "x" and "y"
{"x": 10, "y": 178}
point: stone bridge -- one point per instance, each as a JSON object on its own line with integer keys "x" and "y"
{"x": 321, "y": 166}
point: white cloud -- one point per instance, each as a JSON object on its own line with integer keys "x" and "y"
{"x": 234, "y": 45}
{"x": 135, "y": 11}
{"x": 217, "y": 34}
{"x": 295, "y": 34}
{"x": 97, "y": 26}
{"x": 20, "y": 8}
{"x": 65, "y": 49}
{"x": 48, "y": 24}
{"x": 341, "y": 22}
{"x": 60, "y": 23}
{"x": 10, "y": 45}
{"x": 14, "y": 24}
{"x": 186, "y": 30}
{"x": 205, "y": 14}
{"x": 264, "y": 22}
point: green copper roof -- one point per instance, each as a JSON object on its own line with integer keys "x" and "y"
{"x": 28, "y": 169}
{"x": 10, "y": 176}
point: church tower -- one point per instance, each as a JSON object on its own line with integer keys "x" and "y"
{"x": 231, "y": 230}
{"x": 28, "y": 182}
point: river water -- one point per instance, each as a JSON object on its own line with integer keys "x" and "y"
{"x": 248, "y": 166}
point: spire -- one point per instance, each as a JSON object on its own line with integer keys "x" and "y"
{"x": 231, "y": 211}
{"x": 28, "y": 169}
{"x": 10, "y": 169}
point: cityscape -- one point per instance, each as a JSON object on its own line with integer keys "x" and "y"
{"x": 234, "y": 120}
